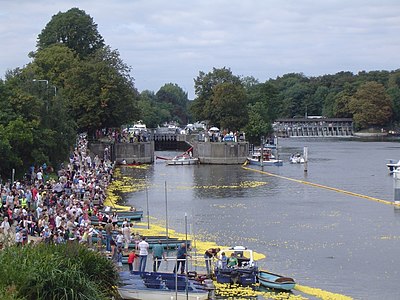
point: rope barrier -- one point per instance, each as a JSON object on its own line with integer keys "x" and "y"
{"x": 323, "y": 186}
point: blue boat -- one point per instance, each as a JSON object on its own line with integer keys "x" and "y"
{"x": 171, "y": 243}
{"x": 245, "y": 273}
{"x": 160, "y": 286}
{"x": 129, "y": 216}
{"x": 275, "y": 281}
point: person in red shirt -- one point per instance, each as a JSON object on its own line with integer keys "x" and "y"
{"x": 131, "y": 260}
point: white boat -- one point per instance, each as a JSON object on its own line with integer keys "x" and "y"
{"x": 296, "y": 158}
{"x": 266, "y": 159}
{"x": 392, "y": 166}
{"x": 138, "y": 128}
{"x": 159, "y": 286}
{"x": 183, "y": 159}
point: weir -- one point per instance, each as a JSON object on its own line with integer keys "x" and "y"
{"x": 314, "y": 127}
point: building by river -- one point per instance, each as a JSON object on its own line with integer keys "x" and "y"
{"x": 314, "y": 127}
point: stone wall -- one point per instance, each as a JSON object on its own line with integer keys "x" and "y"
{"x": 142, "y": 152}
{"x": 221, "y": 153}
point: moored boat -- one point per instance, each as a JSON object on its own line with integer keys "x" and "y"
{"x": 160, "y": 286}
{"x": 275, "y": 281}
{"x": 264, "y": 158}
{"x": 392, "y": 165}
{"x": 184, "y": 159}
{"x": 128, "y": 216}
{"x": 170, "y": 243}
{"x": 297, "y": 158}
{"x": 244, "y": 273}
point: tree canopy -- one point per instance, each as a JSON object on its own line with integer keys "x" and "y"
{"x": 75, "y": 29}
{"x": 371, "y": 105}
{"x": 74, "y": 83}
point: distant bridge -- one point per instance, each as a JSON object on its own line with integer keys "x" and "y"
{"x": 314, "y": 127}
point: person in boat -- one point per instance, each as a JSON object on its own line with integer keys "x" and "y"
{"x": 232, "y": 261}
{"x": 209, "y": 255}
{"x": 224, "y": 260}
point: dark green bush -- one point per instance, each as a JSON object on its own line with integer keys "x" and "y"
{"x": 69, "y": 272}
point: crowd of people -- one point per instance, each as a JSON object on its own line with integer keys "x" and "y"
{"x": 116, "y": 135}
{"x": 59, "y": 210}
{"x": 56, "y": 210}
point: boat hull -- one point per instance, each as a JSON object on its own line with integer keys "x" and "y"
{"x": 135, "y": 294}
{"x": 275, "y": 281}
{"x": 182, "y": 162}
{"x": 171, "y": 244}
{"x": 240, "y": 276}
{"x": 272, "y": 162}
{"x": 159, "y": 286}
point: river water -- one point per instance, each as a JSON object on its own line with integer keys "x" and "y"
{"x": 323, "y": 238}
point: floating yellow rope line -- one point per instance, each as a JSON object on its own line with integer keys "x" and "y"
{"x": 320, "y": 293}
{"x": 323, "y": 186}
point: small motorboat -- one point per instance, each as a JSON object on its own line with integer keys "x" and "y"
{"x": 297, "y": 158}
{"x": 264, "y": 158}
{"x": 392, "y": 165}
{"x": 245, "y": 273}
{"x": 184, "y": 159}
{"x": 275, "y": 281}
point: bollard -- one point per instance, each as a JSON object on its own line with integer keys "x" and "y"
{"x": 305, "y": 155}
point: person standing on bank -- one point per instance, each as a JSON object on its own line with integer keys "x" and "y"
{"x": 158, "y": 254}
{"x": 181, "y": 258}
{"x": 108, "y": 229}
{"x": 209, "y": 255}
{"x": 131, "y": 259}
{"x": 143, "y": 252}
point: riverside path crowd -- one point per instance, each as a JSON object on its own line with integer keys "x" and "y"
{"x": 56, "y": 210}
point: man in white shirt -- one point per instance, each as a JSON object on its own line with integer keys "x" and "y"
{"x": 143, "y": 252}
{"x": 39, "y": 175}
{"x": 5, "y": 225}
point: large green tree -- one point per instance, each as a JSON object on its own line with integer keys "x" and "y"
{"x": 371, "y": 106}
{"x": 204, "y": 85}
{"x": 73, "y": 82}
{"x": 177, "y": 101}
{"x": 101, "y": 92}
{"x": 227, "y": 102}
{"x": 258, "y": 124}
{"x": 75, "y": 29}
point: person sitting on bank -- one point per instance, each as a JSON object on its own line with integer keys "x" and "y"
{"x": 209, "y": 255}
{"x": 232, "y": 261}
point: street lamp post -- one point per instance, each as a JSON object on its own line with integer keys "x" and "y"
{"x": 47, "y": 84}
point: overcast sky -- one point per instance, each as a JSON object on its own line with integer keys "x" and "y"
{"x": 171, "y": 41}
